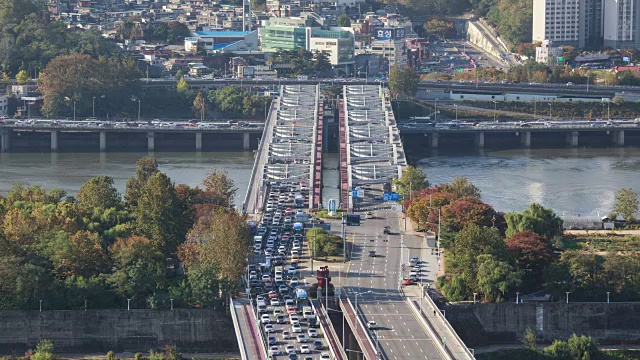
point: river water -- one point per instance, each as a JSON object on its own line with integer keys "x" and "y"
{"x": 570, "y": 181}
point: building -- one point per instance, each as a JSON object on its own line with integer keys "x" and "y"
{"x": 558, "y": 21}
{"x": 215, "y": 41}
{"x": 548, "y": 54}
{"x": 4, "y": 105}
{"x": 391, "y": 44}
{"x": 336, "y": 43}
{"x": 286, "y": 33}
{"x": 621, "y": 23}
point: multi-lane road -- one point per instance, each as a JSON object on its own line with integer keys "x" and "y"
{"x": 399, "y": 334}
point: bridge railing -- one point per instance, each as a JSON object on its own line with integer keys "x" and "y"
{"x": 337, "y": 351}
{"x": 361, "y": 324}
{"x": 236, "y": 325}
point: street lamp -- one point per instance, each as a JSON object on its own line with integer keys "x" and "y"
{"x": 517, "y": 297}
{"x": 171, "y": 304}
{"x": 474, "y": 297}
{"x": 360, "y": 293}
{"x": 139, "y": 109}
{"x": 567, "y": 297}
{"x": 535, "y": 108}
{"x": 456, "y": 106}
{"x": 607, "y": 297}
{"x": 128, "y": 304}
{"x": 40, "y": 305}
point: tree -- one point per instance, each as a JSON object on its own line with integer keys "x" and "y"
{"x": 529, "y": 339}
{"x": 323, "y": 243}
{"x": 532, "y": 253}
{"x": 322, "y": 63}
{"x": 203, "y": 280}
{"x": 23, "y": 78}
{"x": 537, "y": 219}
{"x": 495, "y": 278}
{"x": 157, "y": 214}
{"x": 98, "y": 192}
{"x": 344, "y": 20}
{"x": 146, "y": 167}
{"x": 182, "y": 85}
{"x": 80, "y": 255}
{"x": 626, "y": 204}
{"x": 139, "y": 269}
{"x": 412, "y": 180}
{"x": 5, "y": 79}
{"x": 465, "y": 211}
{"x": 179, "y": 74}
{"x": 199, "y": 106}
{"x": 438, "y": 27}
{"x": 403, "y": 82}
{"x": 461, "y": 187}
{"x": 219, "y": 189}
{"x": 44, "y": 350}
{"x": 575, "y": 348}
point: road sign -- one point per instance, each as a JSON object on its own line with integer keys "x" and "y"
{"x": 391, "y": 196}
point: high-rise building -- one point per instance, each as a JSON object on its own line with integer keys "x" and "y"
{"x": 621, "y": 21}
{"x": 558, "y": 21}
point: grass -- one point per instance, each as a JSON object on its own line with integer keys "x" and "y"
{"x": 600, "y": 244}
{"x": 324, "y": 214}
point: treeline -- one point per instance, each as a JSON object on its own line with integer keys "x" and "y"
{"x": 160, "y": 241}
{"x": 496, "y": 255}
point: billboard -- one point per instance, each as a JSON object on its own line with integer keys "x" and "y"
{"x": 389, "y": 34}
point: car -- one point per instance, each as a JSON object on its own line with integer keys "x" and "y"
{"x": 312, "y": 333}
{"x": 369, "y": 215}
{"x": 325, "y": 356}
{"x": 274, "y": 351}
{"x": 301, "y": 338}
{"x": 273, "y": 294}
{"x": 318, "y": 345}
{"x": 387, "y": 230}
{"x": 304, "y": 349}
{"x": 290, "y": 349}
{"x": 268, "y": 328}
{"x": 372, "y": 253}
{"x": 272, "y": 340}
{"x": 292, "y": 357}
{"x": 296, "y": 328}
{"x": 293, "y": 282}
{"x": 265, "y": 319}
{"x": 275, "y": 302}
{"x": 408, "y": 281}
{"x": 286, "y": 335}
{"x": 283, "y": 289}
{"x": 414, "y": 261}
{"x": 371, "y": 325}
{"x": 291, "y": 309}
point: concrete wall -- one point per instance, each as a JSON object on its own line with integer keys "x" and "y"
{"x": 486, "y": 324}
{"x": 118, "y": 330}
{"x": 478, "y": 38}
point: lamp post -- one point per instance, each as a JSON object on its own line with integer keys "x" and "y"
{"x": 360, "y": 293}
{"x": 607, "y": 297}
{"x": 474, "y": 297}
{"x": 74, "y": 111}
{"x": 456, "y": 106}
{"x": 94, "y": 107}
{"x": 535, "y": 108}
{"x": 171, "y": 304}
{"x": 495, "y": 106}
{"x": 549, "y": 111}
{"x": 128, "y": 304}
{"x": 40, "y": 305}
{"x": 139, "y": 109}
{"x": 435, "y": 109}
{"x": 567, "y": 297}
{"x": 517, "y": 297}
{"x": 313, "y": 227}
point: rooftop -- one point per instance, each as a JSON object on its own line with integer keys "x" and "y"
{"x": 223, "y": 33}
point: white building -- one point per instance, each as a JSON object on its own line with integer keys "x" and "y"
{"x": 621, "y": 23}
{"x": 558, "y": 21}
{"x": 338, "y": 44}
{"x": 548, "y": 54}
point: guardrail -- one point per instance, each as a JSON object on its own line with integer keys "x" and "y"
{"x": 236, "y": 325}
{"x": 429, "y": 329}
{"x": 452, "y": 332}
{"x": 364, "y": 327}
{"x": 337, "y": 351}
{"x": 263, "y": 340}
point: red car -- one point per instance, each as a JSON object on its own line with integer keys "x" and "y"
{"x": 273, "y": 295}
{"x": 408, "y": 281}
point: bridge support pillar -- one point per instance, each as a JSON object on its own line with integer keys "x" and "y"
{"x": 480, "y": 139}
{"x": 246, "y": 141}
{"x": 151, "y": 143}
{"x": 103, "y": 141}
{"x": 618, "y": 137}
{"x": 434, "y": 140}
{"x": 5, "y": 140}
{"x": 198, "y": 141}
{"x": 54, "y": 140}
{"x": 572, "y": 138}
{"x": 525, "y": 139}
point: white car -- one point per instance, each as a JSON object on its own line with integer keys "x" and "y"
{"x": 274, "y": 350}
{"x": 295, "y": 328}
{"x": 286, "y": 335}
{"x": 269, "y": 328}
{"x": 265, "y": 319}
{"x": 312, "y": 333}
{"x": 325, "y": 356}
{"x": 301, "y": 338}
{"x": 304, "y": 349}
{"x": 275, "y": 302}
{"x": 290, "y": 349}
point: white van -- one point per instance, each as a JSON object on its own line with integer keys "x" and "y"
{"x": 307, "y": 312}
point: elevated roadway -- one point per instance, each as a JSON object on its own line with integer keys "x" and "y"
{"x": 247, "y": 332}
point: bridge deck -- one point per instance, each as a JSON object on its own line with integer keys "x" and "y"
{"x": 249, "y": 341}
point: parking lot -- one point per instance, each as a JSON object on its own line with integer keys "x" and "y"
{"x": 286, "y": 319}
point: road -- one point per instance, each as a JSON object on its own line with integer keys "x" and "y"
{"x": 400, "y": 335}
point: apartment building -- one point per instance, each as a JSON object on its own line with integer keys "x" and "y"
{"x": 558, "y": 21}
{"x": 621, "y": 23}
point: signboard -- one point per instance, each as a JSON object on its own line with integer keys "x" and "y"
{"x": 353, "y": 220}
{"x": 357, "y": 193}
{"x": 354, "y": 193}
{"x": 389, "y": 34}
{"x": 391, "y": 196}
{"x": 625, "y": 59}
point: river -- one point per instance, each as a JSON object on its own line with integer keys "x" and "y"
{"x": 570, "y": 181}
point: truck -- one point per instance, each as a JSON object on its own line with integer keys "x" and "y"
{"x": 307, "y": 312}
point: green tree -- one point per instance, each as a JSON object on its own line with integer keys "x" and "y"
{"x": 626, "y": 204}
{"x": 536, "y": 218}
{"x": 454, "y": 290}
{"x": 179, "y": 74}
{"x": 23, "y": 77}
{"x": 529, "y": 339}
{"x": 199, "y": 106}
{"x": 98, "y": 192}
{"x": 344, "y": 20}
{"x": 157, "y": 214}
{"x": 182, "y": 85}
{"x": 219, "y": 189}
{"x": 146, "y": 167}
{"x": 461, "y": 187}
{"x": 322, "y": 63}
{"x": 495, "y": 278}
{"x": 44, "y": 350}
{"x": 412, "y": 180}
{"x": 324, "y": 243}
{"x": 204, "y": 283}
{"x": 403, "y": 82}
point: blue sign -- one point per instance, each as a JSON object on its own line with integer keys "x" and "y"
{"x": 391, "y": 196}
{"x": 389, "y": 34}
{"x": 354, "y": 193}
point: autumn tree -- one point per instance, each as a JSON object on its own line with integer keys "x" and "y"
{"x": 626, "y": 204}
{"x": 98, "y": 192}
{"x": 219, "y": 189}
{"x": 403, "y": 82}
{"x": 532, "y": 253}
{"x": 461, "y": 187}
{"x": 182, "y": 85}
{"x": 465, "y": 211}
{"x": 23, "y": 77}
{"x": 438, "y": 27}
{"x": 80, "y": 255}
{"x": 199, "y": 106}
{"x": 157, "y": 212}
{"x": 146, "y": 167}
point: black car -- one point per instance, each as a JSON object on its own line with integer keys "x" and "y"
{"x": 372, "y": 253}
{"x": 387, "y": 230}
